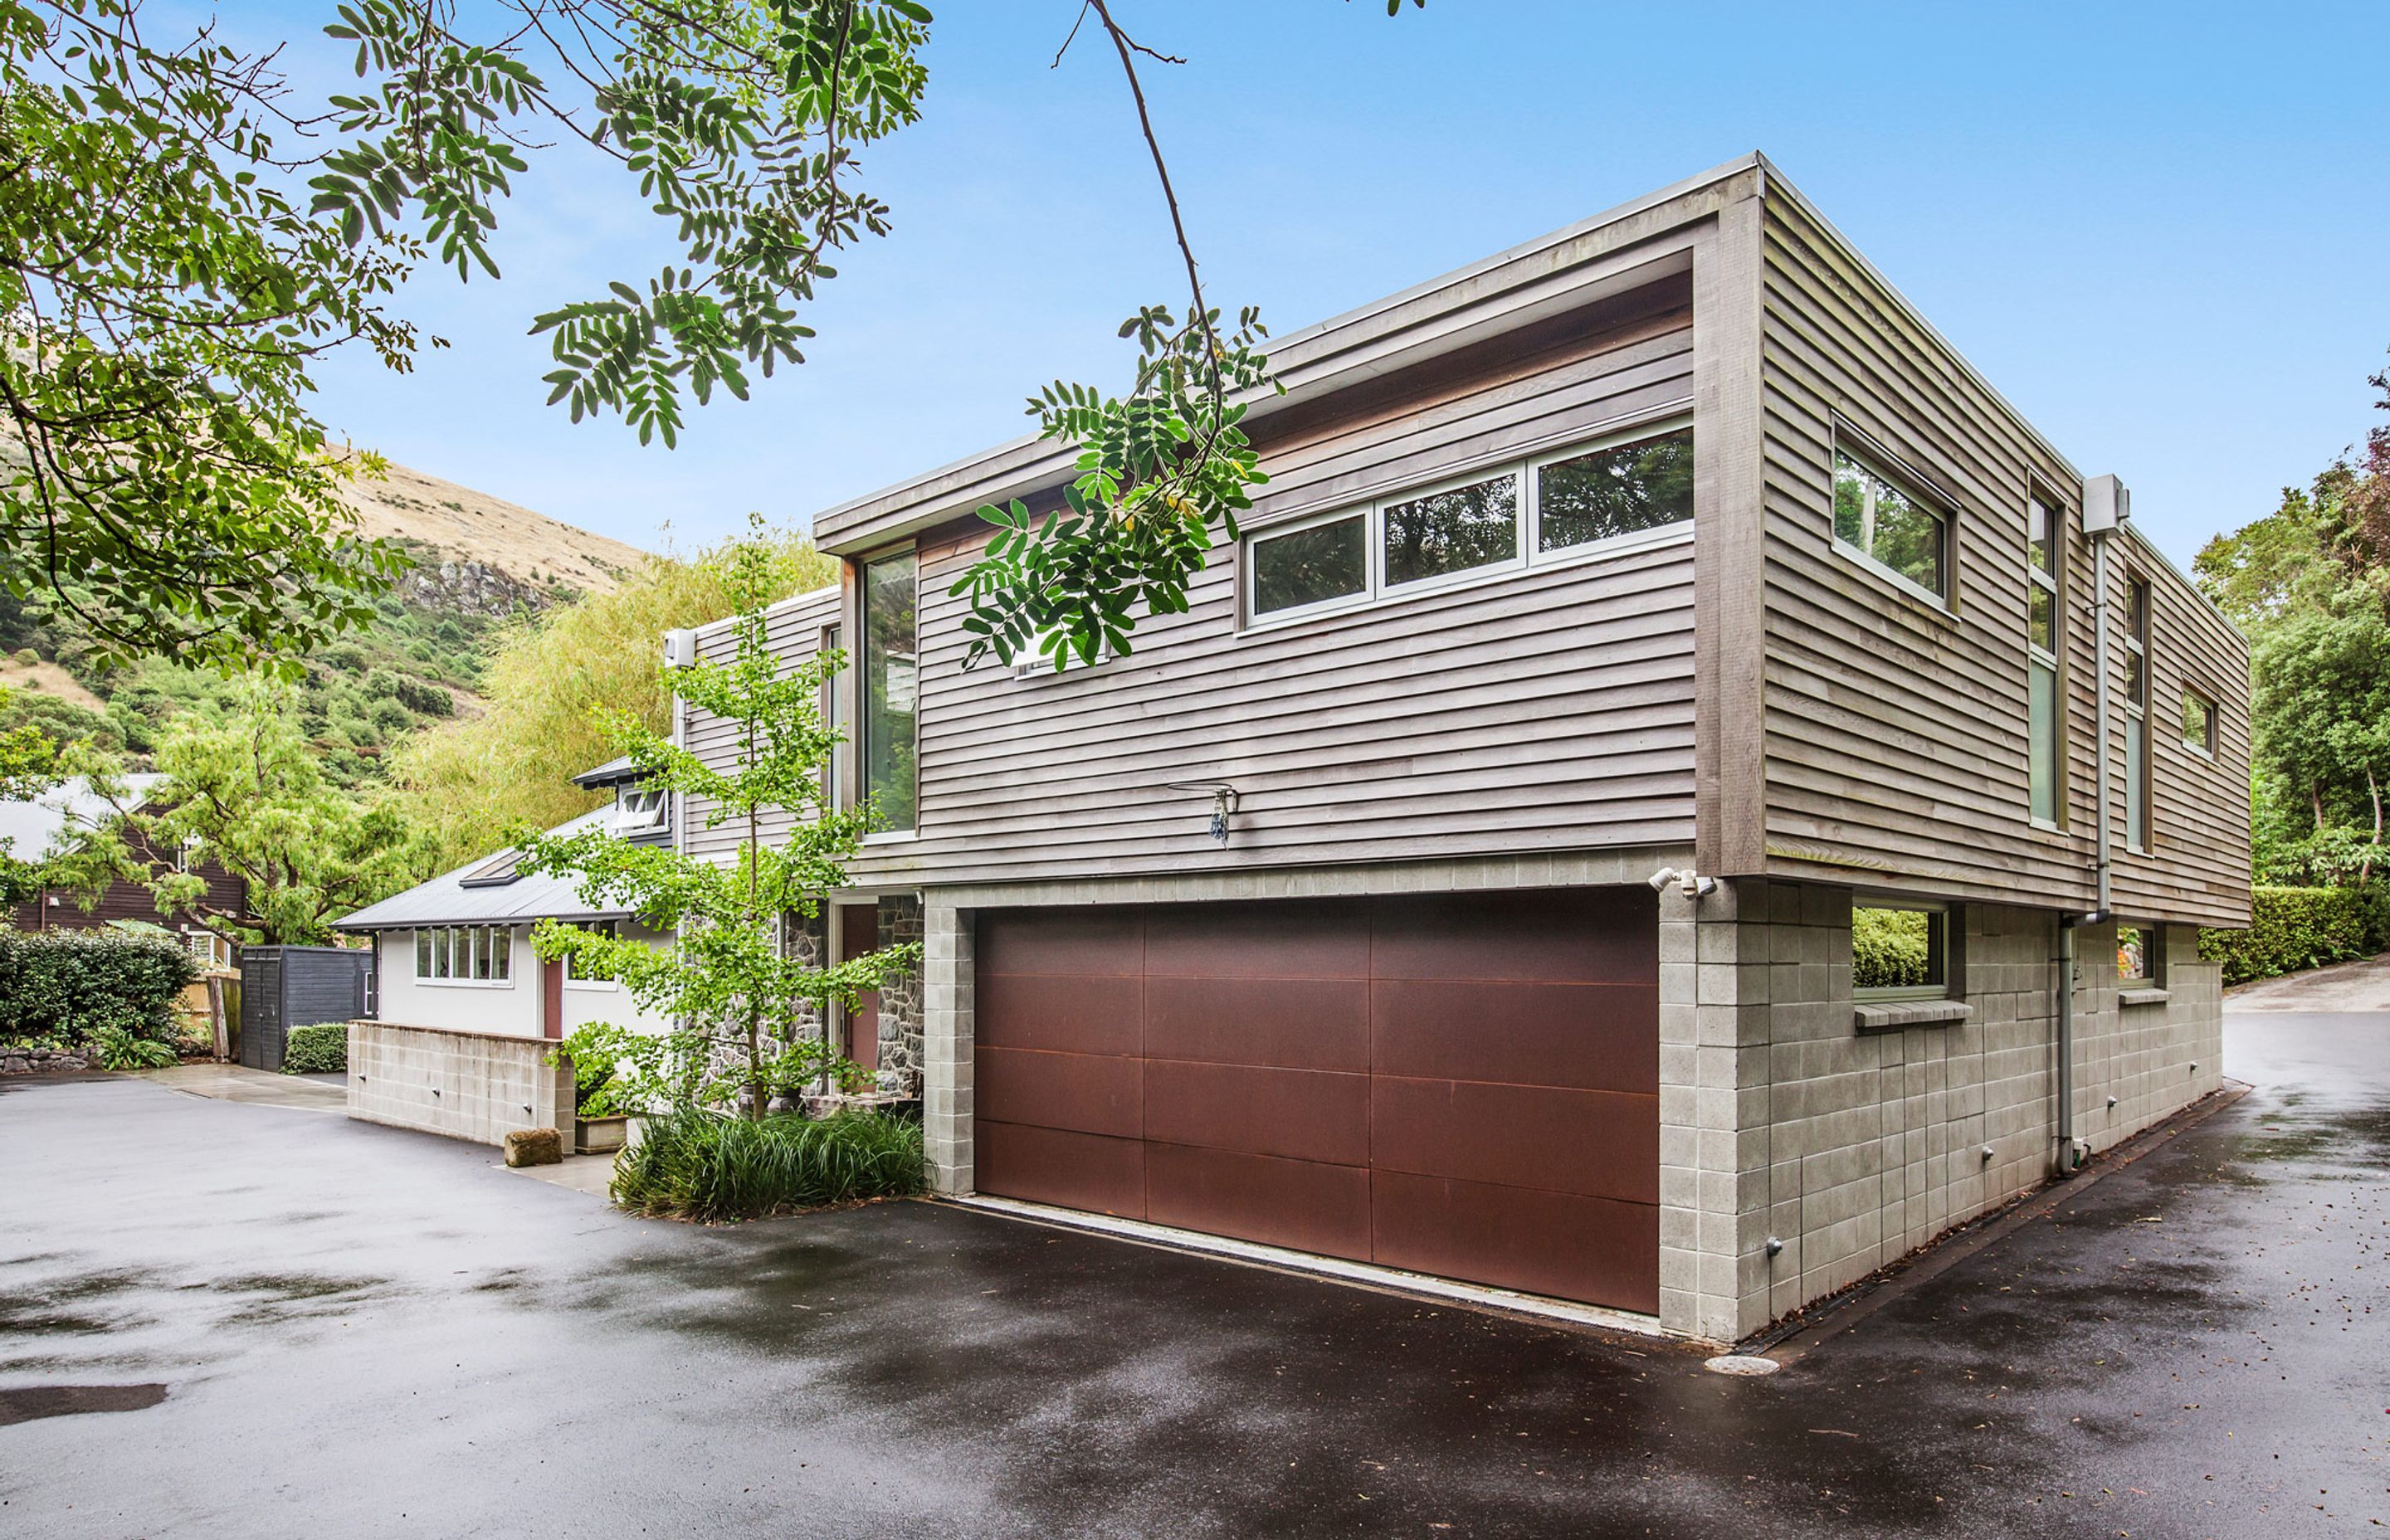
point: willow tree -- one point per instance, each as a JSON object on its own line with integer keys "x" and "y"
{"x": 735, "y": 992}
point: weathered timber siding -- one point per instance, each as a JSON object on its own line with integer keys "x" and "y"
{"x": 795, "y": 627}
{"x": 1896, "y": 733}
{"x": 1529, "y": 711}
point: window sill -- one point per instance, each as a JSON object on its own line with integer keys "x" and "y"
{"x": 1898, "y": 1015}
{"x": 2142, "y": 997}
{"x": 466, "y": 984}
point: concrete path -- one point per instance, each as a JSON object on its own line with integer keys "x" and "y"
{"x": 239, "y": 1083}
{"x": 216, "y": 1320}
{"x": 2363, "y": 985}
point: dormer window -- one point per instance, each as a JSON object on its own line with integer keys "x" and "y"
{"x": 638, "y": 809}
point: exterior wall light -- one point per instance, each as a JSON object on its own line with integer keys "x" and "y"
{"x": 1224, "y": 803}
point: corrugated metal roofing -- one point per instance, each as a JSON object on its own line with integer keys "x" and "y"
{"x": 456, "y": 898}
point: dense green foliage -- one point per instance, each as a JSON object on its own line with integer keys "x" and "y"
{"x": 320, "y": 1049}
{"x": 405, "y": 666}
{"x": 69, "y": 987}
{"x": 474, "y": 780}
{"x": 701, "y": 1165}
{"x": 737, "y": 994}
{"x": 247, "y": 792}
{"x": 1888, "y": 948}
{"x": 2309, "y": 585}
{"x": 2294, "y": 928}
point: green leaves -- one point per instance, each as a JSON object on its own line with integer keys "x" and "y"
{"x": 737, "y": 991}
{"x": 1159, "y": 470}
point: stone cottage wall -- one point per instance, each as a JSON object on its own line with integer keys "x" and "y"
{"x": 900, "y": 998}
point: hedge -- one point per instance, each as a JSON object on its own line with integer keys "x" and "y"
{"x": 2294, "y": 928}
{"x": 68, "y": 985}
{"x": 317, "y": 1051}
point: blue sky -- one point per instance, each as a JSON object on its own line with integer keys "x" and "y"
{"x": 2160, "y": 231}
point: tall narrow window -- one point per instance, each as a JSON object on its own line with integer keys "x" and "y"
{"x": 890, "y": 689}
{"x": 2137, "y": 714}
{"x": 2045, "y": 707}
{"x": 834, "y": 713}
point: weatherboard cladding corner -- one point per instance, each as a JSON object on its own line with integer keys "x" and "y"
{"x": 1750, "y": 694}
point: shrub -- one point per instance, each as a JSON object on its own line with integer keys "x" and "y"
{"x": 703, "y": 1165}
{"x": 1888, "y": 948}
{"x": 317, "y": 1051}
{"x": 115, "y": 1048}
{"x": 391, "y": 716}
{"x": 73, "y": 985}
{"x": 2294, "y": 928}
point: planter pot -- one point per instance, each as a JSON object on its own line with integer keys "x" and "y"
{"x": 600, "y": 1136}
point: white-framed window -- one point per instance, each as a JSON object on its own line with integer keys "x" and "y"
{"x": 1899, "y": 952}
{"x": 1887, "y": 519}
{"x": 1586, "y": 500}
{"x": 639, "y": 809}
{"x": 2198, "y": 723}
{"x": 2046, "y": 707}
{"x": 578, "y": 973}
{"x": 834, "y": 715}
{"x": 2137, "y": 714}
{"x": 465, "y": 953}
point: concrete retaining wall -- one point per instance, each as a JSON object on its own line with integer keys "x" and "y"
{"x": 466, "y": 1084}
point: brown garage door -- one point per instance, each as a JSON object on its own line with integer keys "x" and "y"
{"x": 1466, "y": 1086}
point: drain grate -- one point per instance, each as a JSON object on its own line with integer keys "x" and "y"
{"x": 24, "y": 1402}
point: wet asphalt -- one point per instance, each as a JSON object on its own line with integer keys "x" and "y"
{"x": 219, "y": 1320}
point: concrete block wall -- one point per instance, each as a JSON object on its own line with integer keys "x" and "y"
{"x": 464, "y": 1084}
{"x": 2153, "y": 1057}
{"x": 1785, "y": 1118}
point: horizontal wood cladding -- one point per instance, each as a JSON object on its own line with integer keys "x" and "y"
{"x": 794, "y": 628}
{"x": 1530, "y": 711}
{"x": 1896, "y": 733}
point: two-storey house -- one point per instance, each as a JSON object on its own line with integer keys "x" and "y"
{"x": 1467, "y": 885}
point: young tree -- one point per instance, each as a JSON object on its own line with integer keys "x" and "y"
{"x": 732, "y": 987}
{"x": 246, "y": 794}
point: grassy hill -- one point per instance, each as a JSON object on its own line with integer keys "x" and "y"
{"x": 478, "y": 562}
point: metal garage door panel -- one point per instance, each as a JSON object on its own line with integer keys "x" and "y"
{"x": 1599, "y": 1143}
{"x": 1563, "y": 1244}
{"x": 1086, "y": 1093}
{"x": 1586, "y": 937}
{"x": 1300, "y": 1114}
{"x": 1299, "y": 1204}
{"x": 1061, "y": 941}
{"x": 1294, "y": 1023}
{"x": 1070, "y": 1171}
{"x": 1312, "y": 940}
{"x": 1597, "y": 1037}
{"x": 1072, "y": 1013}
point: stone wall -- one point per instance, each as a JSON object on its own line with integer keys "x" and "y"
{"x": 464, "y": 1084}
{"x": 900, "y": 998}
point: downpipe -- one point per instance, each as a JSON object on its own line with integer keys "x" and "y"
{"x": 2072, "y": 1151}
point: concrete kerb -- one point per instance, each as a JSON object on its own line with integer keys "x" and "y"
{"x": 1794, "y": 1338}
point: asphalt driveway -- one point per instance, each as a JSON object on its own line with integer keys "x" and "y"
{"x": 219, "y": 1320}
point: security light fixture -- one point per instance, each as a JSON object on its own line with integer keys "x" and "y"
{"x": 680, "y": 648}
{"x": 1687, "y": 882}
{"x": 1224, "y": 803}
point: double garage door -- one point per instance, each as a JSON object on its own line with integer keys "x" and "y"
{"x": 1465, "y": 1085}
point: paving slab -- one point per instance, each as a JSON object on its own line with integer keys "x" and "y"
{"x": 258, "y": 1087}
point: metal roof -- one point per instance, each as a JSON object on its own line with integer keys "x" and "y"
{"x": 47, "y": 825}
{"x": 614, "y": 772}
{"x": 491, "y": 891}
